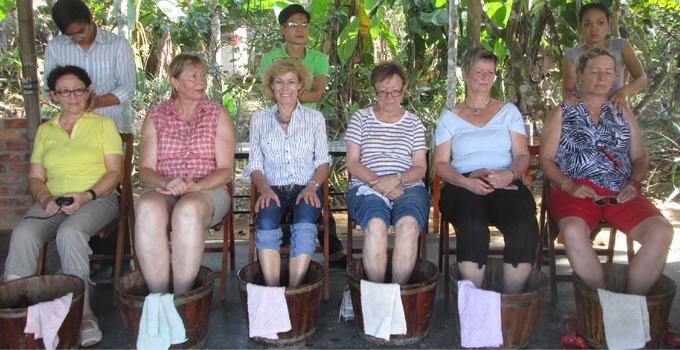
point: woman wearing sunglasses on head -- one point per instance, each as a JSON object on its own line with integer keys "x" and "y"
{"x": 596, "y": 157}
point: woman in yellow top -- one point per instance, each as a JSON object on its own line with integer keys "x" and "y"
{"x": 79, "y": 156}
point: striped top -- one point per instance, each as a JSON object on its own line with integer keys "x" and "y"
{"x": 386, "y": 148}
{"x": 291, "y": 157}
{"x": 599, "y": 153}
{"x": 186, "y": 148}
{"x": 109, "y": 63}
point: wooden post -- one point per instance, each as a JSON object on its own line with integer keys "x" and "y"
{"x": 29, "y": 81}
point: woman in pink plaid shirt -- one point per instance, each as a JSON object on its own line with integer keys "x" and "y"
{"x": 186, "y": 159}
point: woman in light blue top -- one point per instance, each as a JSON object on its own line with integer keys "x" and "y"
{"x": 480, "y": 152}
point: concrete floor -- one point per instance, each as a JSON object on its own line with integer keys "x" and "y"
{"x": 228, "y": 326}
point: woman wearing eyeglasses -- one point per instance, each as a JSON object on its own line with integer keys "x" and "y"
{"x": 77, "y": 155}
{"x": 481, "y": 151}
{"x": 386, "y": 157}
{"x": 596, "y": 157}
{"x": 288, "y": 162}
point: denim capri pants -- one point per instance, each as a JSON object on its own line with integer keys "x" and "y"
{"x": 415, "y": 202}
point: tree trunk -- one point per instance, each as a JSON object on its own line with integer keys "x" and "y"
{"x": 474, "y": 23}
{"x": 616, "y": 34}
{"x": 676, "y": 83}
{"x": 452, "y": 79}
{"x": 29, "y": 67}
{"x": 215, "y": 44}
{"x": 657, "y": 82}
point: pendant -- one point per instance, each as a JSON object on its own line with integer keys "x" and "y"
{"x": 476, "y": 110}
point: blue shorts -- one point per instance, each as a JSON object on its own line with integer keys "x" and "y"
{"x": 415, "y": 202}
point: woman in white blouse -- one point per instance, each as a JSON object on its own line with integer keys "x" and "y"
{"x": 288, "y": 161}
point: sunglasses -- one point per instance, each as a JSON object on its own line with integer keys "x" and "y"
{"x": 603, "y": 201}
{"x": 612, "y": 160}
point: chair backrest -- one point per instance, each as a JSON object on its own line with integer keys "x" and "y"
{"x": 126, "y": 184}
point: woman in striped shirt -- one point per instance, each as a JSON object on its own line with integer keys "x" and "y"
{"x": 386, "y": 157}
{"x": 288, "y": 161}
{"x": 186, "y": 157}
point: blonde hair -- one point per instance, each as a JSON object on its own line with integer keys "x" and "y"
{"x": 478, "y": 53}
{"x": 584, "y": 57}
{"x": 179, "y": 64}
{"x": 282, "y": 66}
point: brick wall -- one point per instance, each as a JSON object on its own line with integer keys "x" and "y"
{"x": 14, "y": 159}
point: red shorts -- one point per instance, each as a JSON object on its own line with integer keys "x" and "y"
{"x": 624, "y": 217}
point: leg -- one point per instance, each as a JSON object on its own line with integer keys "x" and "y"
{"x": 580, "y": 253}
{"x": 515, "y": 278}
{"x": 151, "y": 239}
{"x": 471, "y": 271}
{"x": 268, "y": 242}
{"x": 655, "y": 235}
{"x": 409, "y": 216}
{"x": 27, "y": 238}
{"x": 302, "y": 241}
{"x": 375, "y": 250}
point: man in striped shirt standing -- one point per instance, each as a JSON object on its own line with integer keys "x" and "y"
{"x": 105, "y": 56}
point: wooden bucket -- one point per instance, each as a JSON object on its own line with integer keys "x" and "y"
{"x": 303, "y": 301}
{"x": 417, "y": 297}
{"x": 659, "y": 303}
{"x": 18, "y": 295}
{"x": 518, "y": 311}
{"x": 193, "y": 307}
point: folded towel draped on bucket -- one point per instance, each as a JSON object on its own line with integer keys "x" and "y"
{"x": 382, "y": 309}
{"x": 625, "y": 319}
{"x": 160, "y": 325}
{"x": 267, "y": 311}
{"x": 367, "y": 190}
{"x": 44, "y": 320}
{"x": 480, "y": 317}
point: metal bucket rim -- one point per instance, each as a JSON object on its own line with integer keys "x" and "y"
{"x": 289, "y": 290}
{"x": 136, "y": 300}
{"x": 405, "y": 289}
{"x": 76, "y": 296}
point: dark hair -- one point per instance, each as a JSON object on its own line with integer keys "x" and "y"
{"x": 479, "y": 53}
{"x": 60, "y": 71}
{"x": 385, "y": 70}
{"x": 289, "y": 11}
{"x": 592, "y": 6}
{"x": 67, "y": 12}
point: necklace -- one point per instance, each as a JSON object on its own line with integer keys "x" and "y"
{"x": 279, "y": 119}
{"x": 478, "y": 108}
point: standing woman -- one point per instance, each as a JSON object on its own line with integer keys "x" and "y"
{"x": 481, "y": 151}
{"x": 288, "y": 162}
{"x": 186, "y": 157}
{"x": 594, "y": 25}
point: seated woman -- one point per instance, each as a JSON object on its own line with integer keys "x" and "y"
{"x": 186, "y": 156}
{"x": 386, "y": 157}
{"x": 288, "y": 161}
{"x": 481, "y": 151}
{"x": 597, "y": 157}
{"x": 593, "y": 20}
{"x": 78, "y": 155}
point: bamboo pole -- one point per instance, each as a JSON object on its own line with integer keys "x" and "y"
{"x": 29, "y": 67}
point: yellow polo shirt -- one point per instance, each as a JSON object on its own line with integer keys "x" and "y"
{"x": 76, "y": 163}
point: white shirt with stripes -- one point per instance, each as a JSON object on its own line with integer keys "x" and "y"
{"x": 109, "y": 63}
{"x": 386, "y": 148}
{"x": 291, "y": 157}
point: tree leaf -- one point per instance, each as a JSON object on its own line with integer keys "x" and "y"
{"x": 438, "y": 17}
{"x": 132, "y": 14}
{"x": 347, "y": 40}
{"x": 5, "y": 7}
{"x": 171, "y": 9}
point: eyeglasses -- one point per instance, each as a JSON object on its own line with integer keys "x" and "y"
{"x": 294, "y": 25}
{"x": 80, "y": 34}
{"x": 602, "y": 201}
{"x": 67, "y": 93}
{"x": 603, "y": 151}
{"x": 383, "y": 93}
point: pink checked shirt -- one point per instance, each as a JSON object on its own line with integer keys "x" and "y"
{"x": 186, "y": 148}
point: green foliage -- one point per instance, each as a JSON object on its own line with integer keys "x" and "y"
{"x": 5, "y": 7}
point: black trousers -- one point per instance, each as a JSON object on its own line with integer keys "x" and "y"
{"x": 513, "y": 212}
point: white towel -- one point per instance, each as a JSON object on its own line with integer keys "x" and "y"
{"x": 367, "y": 190}
{"x": 382, "y": 309}
{"x": 626, "y": 320}
{"x": 479, "y": 312}
{"x": 267, "y": 311}
{"x": 160, "y": 325}
{"x": 44, "y": 320}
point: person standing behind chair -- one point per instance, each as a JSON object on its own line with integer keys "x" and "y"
{"x": 78, "y": 155}
{"x": 288, "y": 162}
{"x": 596, "y": 157}
{"x": 481, "y": 151}
{"x": 186, "y": 157}
{"x": 106, "y": 57}
{"x": 594, "y": 25}
{"x": 386, "y": 157}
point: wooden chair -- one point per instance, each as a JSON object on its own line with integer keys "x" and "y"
{"x": 227, "y": 248}
{"x": 122, "y": 224}
{"x": 351, "y": 224}
{"x": 550, "y": 231}
{"x": 444, "y": 250}
{"x": 321, "y": 225}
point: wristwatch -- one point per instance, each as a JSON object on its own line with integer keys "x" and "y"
{"x": 314, "y": 183}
